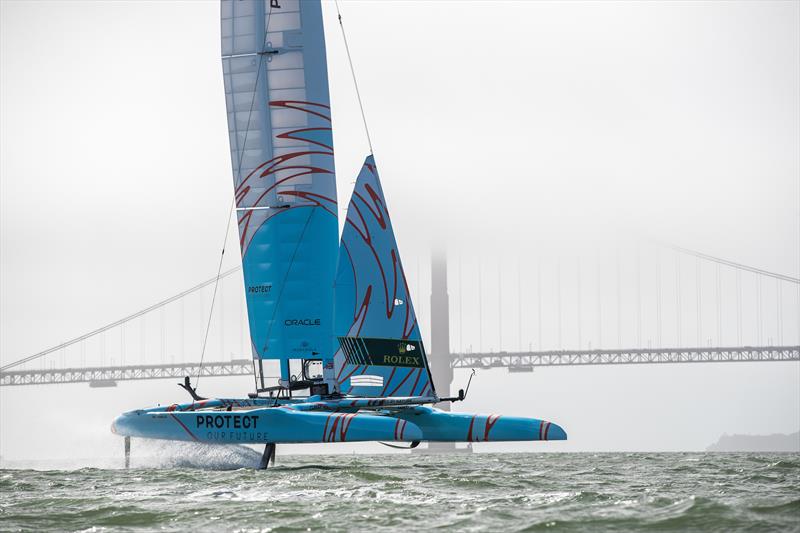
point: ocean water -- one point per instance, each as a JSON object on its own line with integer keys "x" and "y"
{"x": 219, "y": 491}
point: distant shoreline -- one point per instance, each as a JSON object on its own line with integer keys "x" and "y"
{"x": 777, "y": 442}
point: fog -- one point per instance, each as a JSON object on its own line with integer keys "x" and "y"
{"x": 524, "y": 136}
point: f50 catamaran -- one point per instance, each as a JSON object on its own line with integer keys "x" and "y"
{"x": 348, "y": 331}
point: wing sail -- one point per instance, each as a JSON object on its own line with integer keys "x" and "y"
{"x": 380, "y": 353}
{"x": 279, "y": 122}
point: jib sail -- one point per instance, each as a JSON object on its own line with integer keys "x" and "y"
{"x": 380, "y": 350}
{"x": 279, "y": 123}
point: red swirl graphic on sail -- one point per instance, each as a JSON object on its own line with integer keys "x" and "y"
{"x": 286, "y": 169}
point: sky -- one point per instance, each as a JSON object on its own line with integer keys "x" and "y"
{"x": 523, "y": 135}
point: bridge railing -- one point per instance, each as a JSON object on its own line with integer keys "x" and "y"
{"x": 108, "y": 376}
{"x": 528, "y": 360}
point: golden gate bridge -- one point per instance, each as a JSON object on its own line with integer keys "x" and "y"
{"x": 654, "y": 304}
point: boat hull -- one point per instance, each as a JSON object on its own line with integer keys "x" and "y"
{"x": 291, "y": 424}
{"x": 444, "y": 426}
{"x": 276, "y": 424}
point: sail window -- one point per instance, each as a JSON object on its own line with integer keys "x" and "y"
{"x": 288, "y": 94}
{"x": 287, "y": 79}
{"x": 283, "y": 21}
{"x": 288, "y": 118}
{"x": 286, "y": 60}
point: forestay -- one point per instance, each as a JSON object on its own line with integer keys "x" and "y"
{"x": 380, "y": 347}
{"x": 276, "y": 90}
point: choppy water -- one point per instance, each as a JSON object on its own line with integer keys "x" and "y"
{"x": 480, "y": 492}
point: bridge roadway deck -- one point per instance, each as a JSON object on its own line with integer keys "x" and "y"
{"x": 109, "y": 375}
{"x": 522, "y": 361}
{"x": 515, "y": 362}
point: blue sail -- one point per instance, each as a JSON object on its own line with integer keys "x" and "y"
{"x": 279, "y": 124}
{"x": 380, "y": 350}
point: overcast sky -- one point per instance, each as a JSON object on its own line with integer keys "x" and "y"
{"x": 520, "y": 133}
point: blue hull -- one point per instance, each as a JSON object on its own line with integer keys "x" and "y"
{"x": 258, "y": 421}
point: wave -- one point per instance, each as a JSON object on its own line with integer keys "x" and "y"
{"x": 188, "y": 486}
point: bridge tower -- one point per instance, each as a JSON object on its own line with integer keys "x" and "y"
{"x": 440, "y": 325}
{"x": 440, "y": 341}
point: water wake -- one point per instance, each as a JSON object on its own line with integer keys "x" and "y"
{"x": 168, "y": 454}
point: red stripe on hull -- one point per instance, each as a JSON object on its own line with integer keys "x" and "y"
{"x": 185, "y": 428}
{"x": 490, "y": 422}
{"x": 471, "y": 425}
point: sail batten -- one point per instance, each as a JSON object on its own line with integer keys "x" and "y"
{"x": 375, "y": 324}
{"x": 279, "y": 126}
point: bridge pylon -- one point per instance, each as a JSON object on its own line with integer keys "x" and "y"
{"x": 440, "y": 357}
{"x": 440, "y": 325}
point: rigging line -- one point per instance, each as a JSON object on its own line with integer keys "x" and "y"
{"x": 214, "y": 295}
{"x": 353, "y": 72}
{"x": 233, "y": 199}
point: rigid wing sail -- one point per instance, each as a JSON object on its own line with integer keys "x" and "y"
{"x": 353, "y": 365}
{"x": 380, "y": 350}
{"x": 281, "y": 142}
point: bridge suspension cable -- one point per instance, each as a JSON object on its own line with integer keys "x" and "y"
{"x": 737, "y": 266}
{"x": 121, "y": 321}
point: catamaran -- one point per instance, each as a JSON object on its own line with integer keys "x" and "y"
{"x": 335, "y": 314}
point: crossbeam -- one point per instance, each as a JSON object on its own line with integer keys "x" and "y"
{"x": 108, "y": 376}
{"x": 528, "y": 360}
